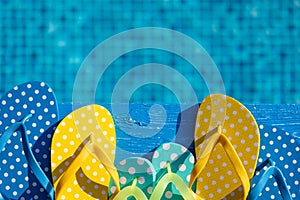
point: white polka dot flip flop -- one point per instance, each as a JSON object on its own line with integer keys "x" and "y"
{"x": 173, "y": 164}
{"x": 226, "y": 146}
{"x": 278, "y": 171}
{"x": 137, "y": 177}
{"x": 82, "y": 154}
{"x": 27, "y": 113}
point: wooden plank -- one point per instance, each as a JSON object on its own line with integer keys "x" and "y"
{"x": 136, "y": 138}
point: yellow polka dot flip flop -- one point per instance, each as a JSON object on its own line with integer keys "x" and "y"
{"x": 227, "y": 147}
{"x": 82, "y": 154}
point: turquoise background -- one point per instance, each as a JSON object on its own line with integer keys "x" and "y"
{"x": 255, "y": 44}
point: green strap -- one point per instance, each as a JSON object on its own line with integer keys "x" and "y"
{"x": 129, "y": 191}
{"x": 168, "y": 178}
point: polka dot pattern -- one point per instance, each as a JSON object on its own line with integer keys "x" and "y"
{"x": 181, "y": 161}
{"x": 135, "y": 168}
{"x": 219, "y": 179}
{"x": 282, "y": 148}
{"x": 93, "y": 179}
{"x": 38, "y": 99}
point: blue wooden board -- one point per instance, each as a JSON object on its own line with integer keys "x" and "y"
{"x": 133, "y": 130}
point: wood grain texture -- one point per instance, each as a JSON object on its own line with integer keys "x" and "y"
{"x": 135, "y": 137}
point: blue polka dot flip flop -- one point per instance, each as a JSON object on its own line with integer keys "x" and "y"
{"x": 137, "y": 177}
{"x": 82, "y": 154}
{"x": 278, "y": 171}
{"x": 173, "y": 164}
{"x": 226, "y": 146}
{"x": 27, "y": 114}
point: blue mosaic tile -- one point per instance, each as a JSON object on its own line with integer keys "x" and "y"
{"x": 255, "y": 44}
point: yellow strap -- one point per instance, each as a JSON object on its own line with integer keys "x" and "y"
{"x": 213, "y": 137}
{"x": 72, "y": 169}
{"x": 81, "y": 157}
{"x": 107, "y": 163}
{"x": 236, "y": 163}
{"x": 230, "y": 152}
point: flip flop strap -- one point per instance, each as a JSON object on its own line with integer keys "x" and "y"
{"x": 168, "y": 178}
{"x": 233, "y": 157}
{"x": 177, "y": 181}
{"x": 127, "y": 192}
{"x": 130, "y": 191}
{"x": 107, "y": 163}
{"x": 8, "y": 133}
{"x": 3, "y": 197}
{"x": 72, "y": 169}
{"x": 279, "y": 177}
{"x": 81, "y": 157}
{"x": 32, "y": 162}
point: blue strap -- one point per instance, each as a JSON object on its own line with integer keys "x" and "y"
{"x": 7, "y": 134}
{"x": 279, "y": 177}
{"x": 32, "y": 163}
{"x": 3, "y": 197}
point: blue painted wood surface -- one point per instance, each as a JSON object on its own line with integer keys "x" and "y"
{"x": 179, "y": 124}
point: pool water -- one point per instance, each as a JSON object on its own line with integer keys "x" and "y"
{"x": 255, "y": 45}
